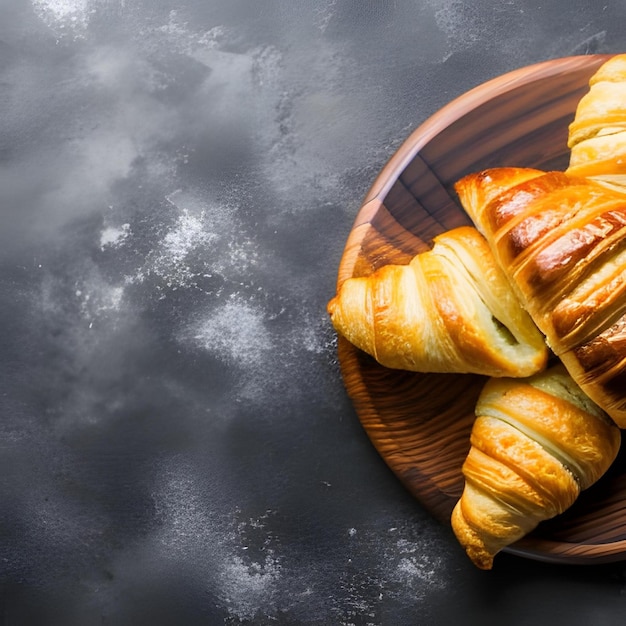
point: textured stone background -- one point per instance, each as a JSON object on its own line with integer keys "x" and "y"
{"x": 177, "y": 180}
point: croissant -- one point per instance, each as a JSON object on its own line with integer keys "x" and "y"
{"x": 561, "y": 240}
{"x": 597, "y": 135}
{"x": 536, "y": 444}
{"x": 450, "y": 309}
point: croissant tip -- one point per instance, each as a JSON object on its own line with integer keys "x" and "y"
{"x": 331, "y": 307}
{"x": 481, "y": 560}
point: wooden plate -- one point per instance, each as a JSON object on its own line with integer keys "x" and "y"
{"x": 420, "y": 423}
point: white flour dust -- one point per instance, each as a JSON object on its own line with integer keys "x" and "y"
{"x": 94, "y": 299}
{"x": 235, "y": 332}
{"x": 188, "y": 235}
{"x": 181, "y": 37}
{"x": 98, "y": 299}
{"x": 237, "y": 558}
{"x": 459, "y": 22}
{"x": 114, "y": 236}
{"x": 74, "y": 10}
{"x": 324, "y": 13}
{"x": 393, "y": 566}
{"x": 246, "y": 586}
{"x": 65, "y": 17}
{"x": 71, "y": 17}
{"x": 406, "y": 558}
{"x": 414, "y": 567}
{"x": 203, "y": 239}
{"x": 169, "y": 260}
{"x": 254, "y": 573}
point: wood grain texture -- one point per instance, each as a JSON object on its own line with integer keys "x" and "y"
{"x": 420, "y": 423}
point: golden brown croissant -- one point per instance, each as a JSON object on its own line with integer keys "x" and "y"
{"x": 597, "y": 136}
{"x": 561, "y": 240}
{"x": 535, "y": 444}
{"x": 450, "y": 310}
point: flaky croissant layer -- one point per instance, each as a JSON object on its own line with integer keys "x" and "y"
{"x": 451, "y": 309}
{"x": 597, "y": 135}
{"x": 535, "y": 444}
